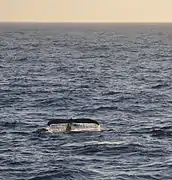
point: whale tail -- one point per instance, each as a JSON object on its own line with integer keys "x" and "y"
{"x": 62, "y": 121}
{"x": 74, "y": 125}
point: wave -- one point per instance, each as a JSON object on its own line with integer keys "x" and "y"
{"x": 161, "y": 132}
{"x": 159, "y": 86}
{"x": 65, "y": 173}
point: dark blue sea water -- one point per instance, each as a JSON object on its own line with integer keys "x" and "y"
{"x": 117, "y": 74}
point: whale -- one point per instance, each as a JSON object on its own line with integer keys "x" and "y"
{"x": 70, "y": 121}
{"x": 71, "y": 125}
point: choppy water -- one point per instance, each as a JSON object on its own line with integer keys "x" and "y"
{"x": 118, "y": 74}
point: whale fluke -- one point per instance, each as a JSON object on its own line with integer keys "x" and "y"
{"x": 70, "y": 121}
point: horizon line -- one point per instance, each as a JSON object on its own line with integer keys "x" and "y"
{"x": 90, "y": 22}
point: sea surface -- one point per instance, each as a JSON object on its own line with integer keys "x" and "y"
{"x": 117, "y": 74}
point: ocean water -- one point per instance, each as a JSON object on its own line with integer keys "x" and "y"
{"x": 117, "y": 74}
